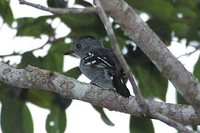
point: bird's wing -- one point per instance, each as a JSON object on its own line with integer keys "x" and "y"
{"x": 105, "y": 58}
{"x": 101, "y": 58}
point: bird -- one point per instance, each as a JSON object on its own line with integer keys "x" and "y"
{"x": 100, "y": 65}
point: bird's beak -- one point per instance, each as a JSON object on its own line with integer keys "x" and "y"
{"x": 68, "y": 52}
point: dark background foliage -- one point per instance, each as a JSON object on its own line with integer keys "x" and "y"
{"x": 168, "y": 18}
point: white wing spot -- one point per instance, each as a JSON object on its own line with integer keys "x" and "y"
{"x": 90, "y": 54}
{"x": 104, "y": 61}
{"x": 88, "y": 63}
{"x": 94, "y": 61}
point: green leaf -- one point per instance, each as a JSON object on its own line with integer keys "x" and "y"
{"x": 83, "y": 3}
{"x": 48, "y": 98}
{"x": 55, "y": 57}
{"x": 181, "y": 29}
{"x": 192, "y": 4}
{"x": 41, "y": 98}
{"x": 57, "y": 3}
{"x": 141, "y": 125}
{"x": 186, "y": 12}
{"x": 2, "y": 91}
{"x": 62, "y": 102}
{"x": 15, "y": 117}
{"x": 150, "y": 80}
{"x": 84, "y": 24}
{"x": 28, "y": 26}
{"x": 29, "y": 59}
{"x": 74, "y": 72}
{"x": 121, "y": 38}
{"x": 180, "y": 99}
{"x": 195, "y": 127}
{"x": 161, "y": 28}
{"x": 27, "y": 120}
{"x": 104, "y": 117}
{"x": 59, "y": 47}
{"x": 161, "y": 9}
{"x": 52, "y": 61}
{"x": 197, "y": 69}
{"x": 6, "y": 12}
{"x": 56, "y": 120}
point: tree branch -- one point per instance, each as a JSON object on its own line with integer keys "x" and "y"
{"x": 155, "y": 49}
{"x": 17, "y": 54}
{"x": 171, "y": 122}
{"x": 139, "y": 97}
{"x": 111, "y": 34}
{"x": 32, "y": 77}
{"x": 190, "y": 53}
{"x": 148, "y": 41}
{"x": 49, "y": 41}
{"x": 60, "y": 10}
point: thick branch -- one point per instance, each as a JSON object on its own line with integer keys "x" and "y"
{"x": 158, "y": 53}
{"x": 139, "y": 97}
{"x": 155, "y": 49}
{"x": 32, "y": 77}
{"x": 148, "y": 41}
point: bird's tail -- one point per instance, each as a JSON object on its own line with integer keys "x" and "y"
{"x": 120, "y": 86}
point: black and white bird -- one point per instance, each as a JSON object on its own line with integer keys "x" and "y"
{"x": 100, "y": 65}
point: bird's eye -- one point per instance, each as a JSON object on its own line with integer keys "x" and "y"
{"x": 78, "y": 46}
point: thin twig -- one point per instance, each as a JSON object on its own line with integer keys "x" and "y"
{"x": 171, "y": 122}
{"x": 190, "y": 53}
{"x": 17, "y": 54}
{"x": 38, "y": 48}
{"x": 120, "y": 57}
{"x": 60, "y": 10}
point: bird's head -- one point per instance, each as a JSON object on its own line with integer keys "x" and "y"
{"x": 85, "y": 44}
